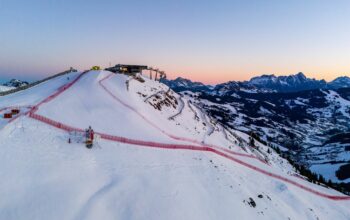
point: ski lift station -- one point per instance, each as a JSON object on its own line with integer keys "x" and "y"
{"x": 127, "y": 69}
{"x": 135, "y": 69}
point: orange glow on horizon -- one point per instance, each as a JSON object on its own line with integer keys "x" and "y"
{"x": 211, "y": 76}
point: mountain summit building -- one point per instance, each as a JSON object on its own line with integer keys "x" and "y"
{"x": 127, "y": 69}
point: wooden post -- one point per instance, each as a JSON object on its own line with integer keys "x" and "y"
{"x": 155, "y": 79}
{"x": 150, "y": 73}
{"x": 141, "y": 71}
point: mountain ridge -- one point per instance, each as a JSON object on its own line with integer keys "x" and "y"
{"x": 263, "y": 83}
{"x": 280, "y": 108}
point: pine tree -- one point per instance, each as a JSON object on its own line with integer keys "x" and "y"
{"x": 251, "y": 141}
{"x": 330, "y": 183}
{"x": 278, "y": 151}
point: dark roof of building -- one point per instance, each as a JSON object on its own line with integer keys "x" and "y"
{"x": 131, "y": 68}
{"x": 128, "y": 65}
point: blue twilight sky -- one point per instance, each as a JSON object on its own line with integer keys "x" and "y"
{"x": 207, "y": 40}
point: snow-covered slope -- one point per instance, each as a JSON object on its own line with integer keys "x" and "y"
{"x": 304, "y": 125}
{"x": 5, "y": 88}
{"x": 159, "y": 157}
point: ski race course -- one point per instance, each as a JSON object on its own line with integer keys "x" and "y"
{"x": 206, "y": 148}
{"x": 168, "y": 141}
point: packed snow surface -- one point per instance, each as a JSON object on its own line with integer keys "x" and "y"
{"x": 45, "y": 177}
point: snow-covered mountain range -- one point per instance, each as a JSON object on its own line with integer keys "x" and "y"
{"x": 340, "y": 82}
{"x": 15, "y": 83}
{"x": 157, "y": 155}
{"x": 182, "y": 84}
{"x": 298, "y": 82}
{"x": 12, "y": 84}
{"x": 290, "y": 83}
{"x": 311, "y": 124}
{"x": 264, "y": 83}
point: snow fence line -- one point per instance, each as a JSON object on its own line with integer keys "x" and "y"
{"x": 165, "y": 132}
{"x": 170, "y": 146}
{"x": 207, "y": 148}
{"x": 188, "y": 147}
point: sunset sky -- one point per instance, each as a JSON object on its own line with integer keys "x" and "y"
{"x": 204, "y": 40}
